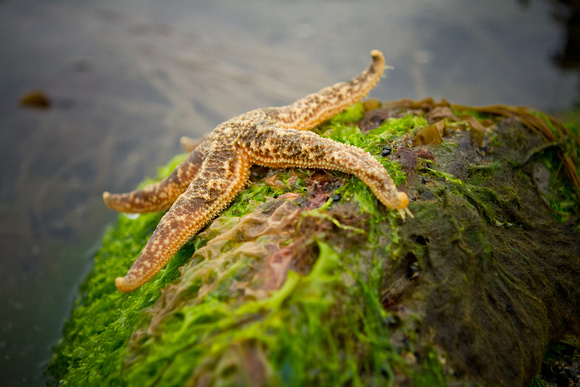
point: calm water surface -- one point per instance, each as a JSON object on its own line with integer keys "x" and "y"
{"x": 126, "y": 79}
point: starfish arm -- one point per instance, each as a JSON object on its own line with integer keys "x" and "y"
{"x": 222, "y": 175}
{"x": 281, "y": 148}
{"x": 159, "y": 196}
{"x": 316, "y": 108}
{"x": 189, "y": 144}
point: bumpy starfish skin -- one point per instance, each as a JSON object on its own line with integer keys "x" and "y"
{"x": 218, "y": 168}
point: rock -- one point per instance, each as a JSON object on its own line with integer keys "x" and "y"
{"x": 306, "y": 280}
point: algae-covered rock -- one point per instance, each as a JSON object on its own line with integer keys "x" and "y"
{"x": 306, "y": 280}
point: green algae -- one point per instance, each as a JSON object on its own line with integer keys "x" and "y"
{"x": 562, "y": 198}
{"x": 291, "y": 326}
{"x": 341, "y": 129}
{"x": 368, "y": 300}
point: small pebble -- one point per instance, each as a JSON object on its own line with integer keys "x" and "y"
{"x": 35, "y": 99}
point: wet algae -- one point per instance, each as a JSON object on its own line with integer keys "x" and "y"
{"x": 306, "y": 280}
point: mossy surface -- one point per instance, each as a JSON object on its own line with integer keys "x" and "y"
{"x": 306, "y": 280}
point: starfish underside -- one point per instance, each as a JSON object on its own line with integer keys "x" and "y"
{"x": 217, "y": 168}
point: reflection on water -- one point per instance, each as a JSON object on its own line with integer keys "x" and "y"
{"x": 126, "y": 81}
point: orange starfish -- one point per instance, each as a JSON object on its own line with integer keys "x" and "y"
{"x": 218, "y": 168}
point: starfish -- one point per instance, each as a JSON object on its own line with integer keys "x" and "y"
{"x": 218, "y": 167}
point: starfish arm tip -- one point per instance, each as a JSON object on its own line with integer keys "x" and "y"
{"x": 403, "y": 200}
{"x": 183, "y": 141}
{"x": 402, "y": 207}
{"x": 123, "y": 286}
{"x": 106, "y": 198}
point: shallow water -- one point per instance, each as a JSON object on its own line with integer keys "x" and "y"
{"x": 127, "y": 79}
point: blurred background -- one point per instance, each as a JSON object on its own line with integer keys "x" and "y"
{"x": 94, "y": 96}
